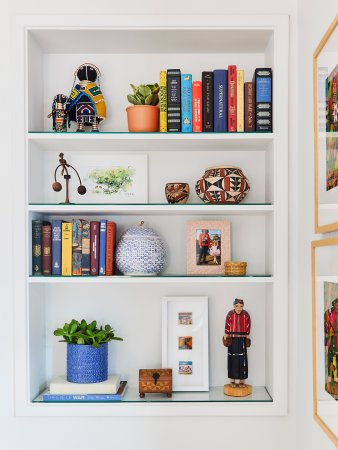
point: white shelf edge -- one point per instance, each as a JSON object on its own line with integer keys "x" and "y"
{"x": 331, "y": 278}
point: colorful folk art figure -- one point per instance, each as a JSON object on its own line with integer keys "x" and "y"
{"x": 237, "y": 340}
{"x": 60, "y": 113}
{"x": 331, "y": 349}
{"x": 86, "y": 103}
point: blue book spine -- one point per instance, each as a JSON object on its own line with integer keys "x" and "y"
{"x": 220, "y": 101}
{"x": 186, "y": 99}
{"x": 81, "y": 398}
{"x": 102, "y": 257}
{"x": 56, "y": 247}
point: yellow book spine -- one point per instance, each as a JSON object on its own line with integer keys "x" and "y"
{"x": 163, "y": 101}
{"x": 240, "y": 100}
{"x": 66, "y": 249}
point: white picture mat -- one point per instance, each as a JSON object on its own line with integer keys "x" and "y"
{"x": 199, "y": 354}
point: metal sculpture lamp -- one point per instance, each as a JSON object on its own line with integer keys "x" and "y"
{"x": 57, "y": 187}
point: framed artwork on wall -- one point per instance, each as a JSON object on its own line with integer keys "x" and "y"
{"x": 185, "y": 342}
{"x": 325, "y": 83}
{"x": 325, "y": 334}
{"x": 208, "y": 246}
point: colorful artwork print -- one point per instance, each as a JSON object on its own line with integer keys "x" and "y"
{"x": 332, "y": 101}
{"x": 185, "y": 318}
{"x": 208, "y": 247}
{"x": 331, "y": 162}
{"x": 331, "y": 338}
{"x": 110, "y": 181}
{"x": 185, "y": 343}
{"x": 185, "y": 368}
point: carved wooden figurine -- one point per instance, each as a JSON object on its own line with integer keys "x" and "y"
{"x": 59, "y": 113}
{"x": 86, "y": 104}
{"x": 237, "y": 340}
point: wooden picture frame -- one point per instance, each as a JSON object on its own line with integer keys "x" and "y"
{"x": 325, "y": 406}
{"x": 325, "y": 73}
{"x": 208, "y": 246}
{"x": 185, "y": 344}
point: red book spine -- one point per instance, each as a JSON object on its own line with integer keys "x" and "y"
{"x": 197, "y": 106}
{"x": 232, "y": 98}
{"x": 109, "y": 249}
{"x": 47, "y": 249}
{"x": 94, "y": 247}
{"x": 249, "y": 107}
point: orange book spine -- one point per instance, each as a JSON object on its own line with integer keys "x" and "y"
{"x": 109, "y": 249}
{"x": 197, "y": 106}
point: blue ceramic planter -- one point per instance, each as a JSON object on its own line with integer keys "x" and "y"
{"x": 87, "y": 364}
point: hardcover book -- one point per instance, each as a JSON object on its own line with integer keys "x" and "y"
{"x": 77, "y": 247}
{"x": 249, "y": 107}
{"x": 220, "y": 101}
{"x": 46, "y": 248}
{"x": 36, "y": 247}
{"x": 263, "y": 83}
{"x": 102, "y": 255}
{"x": 85, "y": 248}
{"x": 56, "y": 247}
{"x": 110, "y": 248}
{"x": 240, "y": 100}
{"x": 61, "y": 386}
{"x": 163, "y": 101}
{"x": 208, "y": 101}
{"x": 197, "y": 106}
{"x": 186, "y": 96}
{"x": 174, "y": 99}
{"x": 94, "y": 247}
{"x": 66, "y": 252}
{"x": 232, "y": 98}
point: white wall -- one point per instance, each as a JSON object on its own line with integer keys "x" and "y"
{"x": 171, "y": 433}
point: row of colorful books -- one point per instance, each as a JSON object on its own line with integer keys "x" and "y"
{"x": 79, "y": 247}
{"x": 221, "y": 102}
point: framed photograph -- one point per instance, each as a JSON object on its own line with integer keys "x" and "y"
{"x": 325, "y": 73}
{"x": 208, "y": 246}
{"x": 185, "y": 342}
{"x": 325, "y": 334}
{"x": 114, "y": 178}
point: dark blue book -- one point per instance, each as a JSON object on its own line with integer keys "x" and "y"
{"x": 48, "y": 397}
{"x": 36, "y": 247}
{"x": 102, "y": 256}
{"x": 263, "y": 83}
{"x": 220, "y": 101}
{"x": 186, "y": 97}
{"x": 56, "y": 247}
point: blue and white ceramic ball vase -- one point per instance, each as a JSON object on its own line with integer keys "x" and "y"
{"x": 87, "y": 364}
{"x": 140, "y": 252}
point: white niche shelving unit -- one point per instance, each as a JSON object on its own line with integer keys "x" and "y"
{"x": 134, "y": 49}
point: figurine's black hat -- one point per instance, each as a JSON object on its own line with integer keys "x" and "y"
{"x": 87, "y": 71}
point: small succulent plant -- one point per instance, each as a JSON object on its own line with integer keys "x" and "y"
{"x": 145, "y": 94}
{"x": 86, "y": 334}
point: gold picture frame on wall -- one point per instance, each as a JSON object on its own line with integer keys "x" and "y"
{"x": 325, "y": 93}
{"x": 324, "y": 254}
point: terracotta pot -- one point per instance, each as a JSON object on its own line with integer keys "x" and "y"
{"x": 143, "y": 118}
{"x": 177, "y": 193}
{"x": 222, "y": 184}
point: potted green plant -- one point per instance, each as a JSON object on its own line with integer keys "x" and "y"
{"x": 87, "y": 350}
{"x": 144, "y": 115}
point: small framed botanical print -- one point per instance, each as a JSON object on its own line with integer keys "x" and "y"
{"x": 208, "y": 246}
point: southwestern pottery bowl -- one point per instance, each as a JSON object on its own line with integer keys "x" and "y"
{"x": 177, "y": 193}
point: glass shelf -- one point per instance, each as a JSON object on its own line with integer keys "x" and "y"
{"x": 215, "y": 395}
{"x": 152, "y": 133}
{"x": 147, "y": 276}
{"x": 169, "y": 205}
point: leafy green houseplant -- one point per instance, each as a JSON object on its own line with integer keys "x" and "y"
{"x": 144, "y": 115}
{"x": 87, "y": 350}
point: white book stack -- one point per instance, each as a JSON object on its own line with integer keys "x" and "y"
{"x": 61, "y": 386}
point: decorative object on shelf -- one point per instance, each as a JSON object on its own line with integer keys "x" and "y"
{"x": 237, "y": 340}
{"x": 325, "y": 86}
{"x": 86, "y": 103}
{"x": 144, "y": 115}
{"x": 60, "y": 113}
{"x": 115, "y": 178}
{"x": 87, "y": 350}
{"x": 177, "y": 193}
{"x": 223, "y": 185}
{"x": 185, "y": 345}
{"x": 235, "y": 268}
{"x": 57, "y": 186}
{"x": 140, "y": 251}
{"x": 157, "y": 381}
{"x": 324, "y": 253}
{"x": 208, "y": 246}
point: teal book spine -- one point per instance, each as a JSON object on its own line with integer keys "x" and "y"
{"x": 37, "y": 247}
{"x": 186, "y": 99}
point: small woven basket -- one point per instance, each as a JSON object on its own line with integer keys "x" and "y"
{"x": 235, "y": 268}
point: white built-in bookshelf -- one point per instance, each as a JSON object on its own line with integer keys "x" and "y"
{"x": 133, "y": 50}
